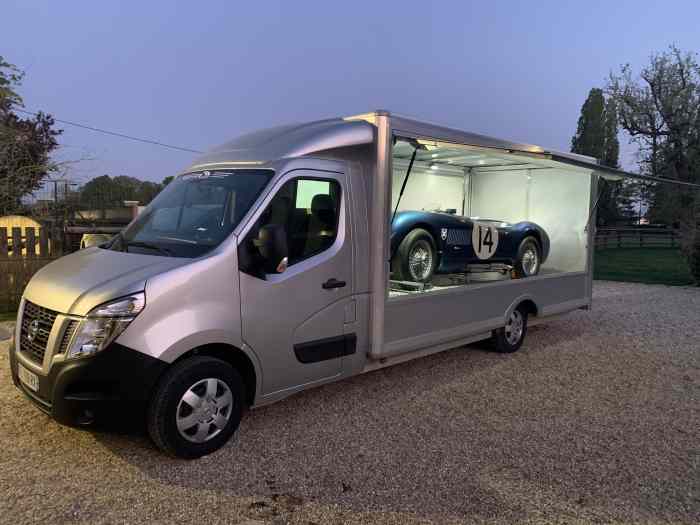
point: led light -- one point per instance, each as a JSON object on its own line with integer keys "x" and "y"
{"x": 104, "y": 324}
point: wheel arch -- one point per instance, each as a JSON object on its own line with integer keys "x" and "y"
{"x": 237, "y": 358}
{"x": 541, "y": 237}
{"x": 527, "y": 301}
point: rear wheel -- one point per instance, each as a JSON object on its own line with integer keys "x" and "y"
{"x": 196, "y": 407}
{"x": 416, "y": 258}
{"x": 510, "y": 338}
{"x": 527, "y": 262}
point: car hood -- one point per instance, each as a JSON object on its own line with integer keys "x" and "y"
{"x": 78, "y": 282}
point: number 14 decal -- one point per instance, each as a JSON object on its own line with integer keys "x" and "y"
{"x": 484, "y": 240}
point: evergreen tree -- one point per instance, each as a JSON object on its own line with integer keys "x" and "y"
{"x": 596, "y": 136}
{"x": 590, "y": 132}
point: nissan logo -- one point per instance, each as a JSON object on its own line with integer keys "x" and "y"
{"x": 33, "y": 330}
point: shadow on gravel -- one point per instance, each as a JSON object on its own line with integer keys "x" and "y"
{"x": 361, "y": 442}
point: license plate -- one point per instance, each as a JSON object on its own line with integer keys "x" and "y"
{"x": 30, "y": 379}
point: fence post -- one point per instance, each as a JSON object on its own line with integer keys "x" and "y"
{"x": 56, "y": 242}
{"x": 16, "y": 242}
{"x": 43, "y": 242}
{"x": 641, "y": 239}
{"x": 30, "y": 241}
{"x": 3, "y": 243}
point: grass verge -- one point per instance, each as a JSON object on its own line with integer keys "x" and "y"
{"x": 642, "y": 265}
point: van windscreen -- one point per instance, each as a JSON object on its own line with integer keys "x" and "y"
{"x": 194, "y": 213}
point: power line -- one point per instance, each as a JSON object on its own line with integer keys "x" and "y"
{"x": 113, "y": 133}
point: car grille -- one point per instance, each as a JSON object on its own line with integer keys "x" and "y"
{"x": 459, "y": 237}
{"x": 35, "y": 346}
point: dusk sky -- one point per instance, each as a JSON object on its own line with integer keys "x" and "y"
{"x": 196, "y": 74}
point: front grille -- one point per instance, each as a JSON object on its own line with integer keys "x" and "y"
{"x": 67, "y": 336}
{"x": 459, "y": 237}
{"x": 35, "y": 335}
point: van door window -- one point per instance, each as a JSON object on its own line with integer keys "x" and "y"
{"x": 308, "y": 209}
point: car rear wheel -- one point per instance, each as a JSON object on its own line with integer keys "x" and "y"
{"x": 527, "y": 262}
{"x": 196, "y": 407}
{"x": 510, "y": 338}
{"x": 416, "y": 258}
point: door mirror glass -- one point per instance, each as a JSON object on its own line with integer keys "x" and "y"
{"x": 271, "y": 242}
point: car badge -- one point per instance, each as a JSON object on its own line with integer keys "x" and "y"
{"x": 33, "y": 330}
{"x": 443, "y": 234}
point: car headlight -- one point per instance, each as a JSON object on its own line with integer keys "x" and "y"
{"x": 103, "y": 324}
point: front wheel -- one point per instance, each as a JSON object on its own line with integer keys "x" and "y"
{"x": 510, "y": 338}
{"x": 196, "y": 407}
{"x": 416, "y": 258}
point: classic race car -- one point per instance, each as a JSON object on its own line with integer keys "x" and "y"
{"x": 424, "y": 243}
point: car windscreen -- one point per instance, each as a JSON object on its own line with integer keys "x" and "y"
{"x": 194, "y": 213}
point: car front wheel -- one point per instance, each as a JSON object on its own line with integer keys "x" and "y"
{"x": 416, "y": 258}
{"x": 196, "y": 407}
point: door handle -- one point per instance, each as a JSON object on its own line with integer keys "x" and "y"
{"x": 333, "y": 283}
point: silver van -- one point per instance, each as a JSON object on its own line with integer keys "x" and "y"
{"x": 267, "y": 267}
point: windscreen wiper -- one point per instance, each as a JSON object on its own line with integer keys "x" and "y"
{"x": 147, "y": 245}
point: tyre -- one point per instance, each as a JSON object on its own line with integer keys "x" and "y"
{"x": 510, "y": 338}
{"x": 416, "y": 258}
{"x": 527, "y": 261}
{"x": 196, "y": 407}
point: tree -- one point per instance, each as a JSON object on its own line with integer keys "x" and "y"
{"x": 111, "y": 192}
{"x": 25, "y": 143}
{"x": 590, "y": 132}
{"x": 660, "y": 110}
{"x": 596, "y": 136}
{"x": 167, "y": 180}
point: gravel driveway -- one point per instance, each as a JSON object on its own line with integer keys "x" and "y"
{"x": 596, "y": 419}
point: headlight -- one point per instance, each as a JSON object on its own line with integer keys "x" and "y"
{"x": 103, "y": 325}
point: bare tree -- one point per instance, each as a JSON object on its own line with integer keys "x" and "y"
{"x": 660, "y": 110}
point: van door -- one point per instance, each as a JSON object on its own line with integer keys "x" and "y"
{"x": 294, "y": 320}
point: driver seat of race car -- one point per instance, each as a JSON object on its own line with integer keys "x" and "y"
{"x": 321, "y": 232}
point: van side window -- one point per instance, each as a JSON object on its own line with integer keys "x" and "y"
{"x": 309, "y": 211}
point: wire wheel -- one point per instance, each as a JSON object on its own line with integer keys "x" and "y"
{"x": 420, "y": 260}
{"x": 530, "y": 260}
{"x": 204, "y": 410}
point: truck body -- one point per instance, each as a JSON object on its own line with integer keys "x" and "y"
{"x": 266, "y": 269}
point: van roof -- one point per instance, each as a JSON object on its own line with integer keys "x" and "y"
{"x": 298, "y": 140}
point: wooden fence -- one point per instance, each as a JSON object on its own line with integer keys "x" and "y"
{"x": 23, "y": 251}
{"x": 637, "y": 238}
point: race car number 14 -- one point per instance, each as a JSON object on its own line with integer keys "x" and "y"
{"x": 484, "y": 240}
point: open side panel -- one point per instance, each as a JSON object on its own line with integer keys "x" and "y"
{"x": 473, "y": 232}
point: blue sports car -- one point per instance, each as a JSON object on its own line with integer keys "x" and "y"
{"x": 424, "y": 243}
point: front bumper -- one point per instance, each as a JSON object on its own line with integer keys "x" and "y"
{"x": 79, "y": 391}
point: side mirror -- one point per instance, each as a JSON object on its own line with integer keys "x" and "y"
{"x": 272, "y": 245}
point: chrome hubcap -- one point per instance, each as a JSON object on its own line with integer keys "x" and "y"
{"x": 515, "y": 327}
{"x": 204, "y": 410}
{"x": 420, "y": 261}
{"x": 530, "y": 261}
